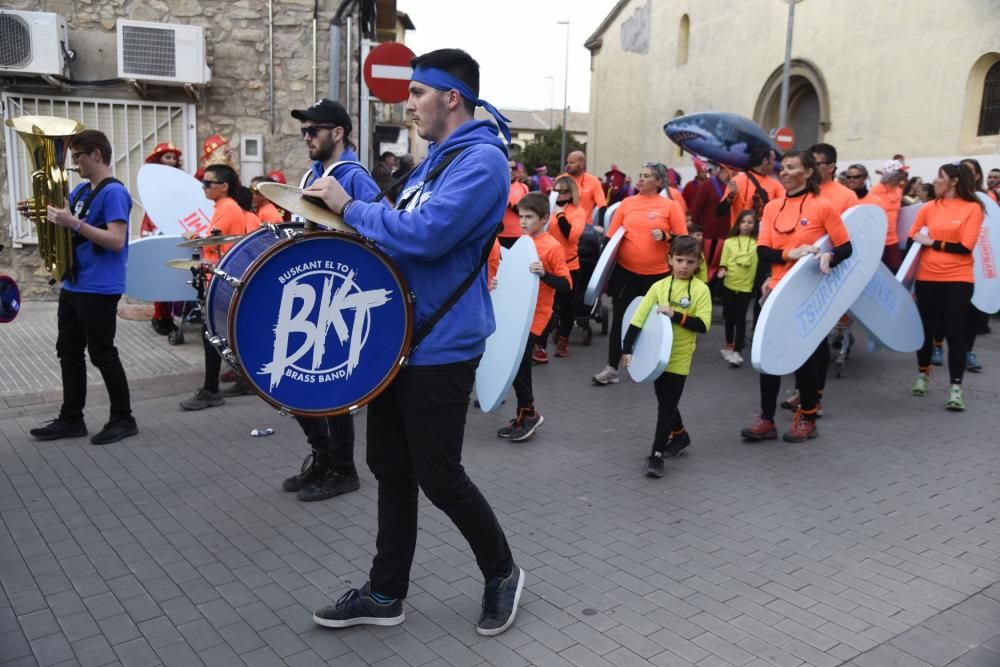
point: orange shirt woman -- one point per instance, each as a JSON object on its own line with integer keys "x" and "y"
{"x": 649, "y": 220}
{"x": 797, "y": 220}
{"x": 948, "y": 221}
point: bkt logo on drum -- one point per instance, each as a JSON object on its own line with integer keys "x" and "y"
{"x": 318, "y": 296}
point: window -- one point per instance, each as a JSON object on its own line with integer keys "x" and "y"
{"x": 133, "y": 128}
{"x": 989, "y": 111}
{"x": 683, "y": 38}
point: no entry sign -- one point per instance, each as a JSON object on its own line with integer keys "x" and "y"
{"x": 784, "y": 138}
{"x": 387, "y": 71}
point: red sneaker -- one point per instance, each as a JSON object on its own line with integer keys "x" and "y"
{"x": 562, "y": 347}
{"x": 802, "y": 429}
{"x": 762, "y": 429}
{"x": 538, "y": 355}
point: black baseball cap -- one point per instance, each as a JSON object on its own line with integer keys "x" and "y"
{"x": 325, "y": 111}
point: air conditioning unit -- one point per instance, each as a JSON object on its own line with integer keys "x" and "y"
{"x": 33, "y": 42}
{"x": 162, "y": 52}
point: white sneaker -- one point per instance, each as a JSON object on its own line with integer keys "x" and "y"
{"x": 727, "y": 354}
{"x": 735, "y": 359}
{"x": 608, "y": 376}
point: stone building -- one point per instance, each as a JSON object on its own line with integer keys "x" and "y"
{"x": 872, "y": 78}
{"x": 252, "y": 62}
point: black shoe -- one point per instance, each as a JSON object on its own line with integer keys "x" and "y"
{"x": 115, "y": 430}
{"x": 677, "y": 445}
{"x": 60, "y": 428}
{"x": 653, "y": 467}
{"x": 356, "y": 607}
{"x": 500, "y": 599}
{"x": 163, "y": 325}
{"x": 203, "y": 399}
{"x": 313, "y": 467}
{"x": 238, "y": 388}
{"x": 329, "y": 485}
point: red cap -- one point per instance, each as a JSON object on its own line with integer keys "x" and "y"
{"x": 165, "y": 147}
{"x": 211, "y": 144}
{"x": 278, "y": 176}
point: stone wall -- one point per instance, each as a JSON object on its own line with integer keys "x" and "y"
{"x": 234, "y": 103}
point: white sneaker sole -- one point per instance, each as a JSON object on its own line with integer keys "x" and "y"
{"x": 510, "y": 621}
{"x": 541, "y": 420}
{"x": 360, "y": 620}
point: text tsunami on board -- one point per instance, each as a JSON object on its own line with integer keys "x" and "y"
{"x": 985, "y": 249}
{"x": 814, "y": 308}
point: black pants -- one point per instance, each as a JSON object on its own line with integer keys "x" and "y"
{"x": 734, "y": 311}
{"x": 507, "y": 241}
{"x": 806, "y": 379}
{"x": 624, "y": 286}
{"x": 669, "y": 387}
{"x": 566, "y": 305}
{"x": 945, "y": 305}
{"x": 332, "y": 437}
{"x": 213, "y": 363}
{"x": 975, "y": 322}
{"x": 759, "y": 280}
{"x": 415, "y": 433}
{"x": 88, "y": 322}
{"x": 522, "y": 381}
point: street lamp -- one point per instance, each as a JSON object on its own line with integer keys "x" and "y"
{"x": 552, "y": 97}
{"x": 562, "y": 148}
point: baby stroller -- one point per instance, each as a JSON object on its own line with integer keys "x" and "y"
{"x": 589, "y": 249}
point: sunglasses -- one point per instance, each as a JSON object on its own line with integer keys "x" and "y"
{"x": 208, "y": 184}
{"x": 854, "y": 177}
{"x": 563, "y": 192}
{"x": 313, "y": 130}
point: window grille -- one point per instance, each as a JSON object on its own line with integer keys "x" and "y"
{"x": 989, "y": 112}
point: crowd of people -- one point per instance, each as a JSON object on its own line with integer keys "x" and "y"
{"x": 728, "y": 237}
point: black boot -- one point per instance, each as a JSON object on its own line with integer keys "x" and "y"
{"x": 313, "y": 467}
{"x": 331, "y": 483}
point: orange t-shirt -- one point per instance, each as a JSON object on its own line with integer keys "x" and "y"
{"x": 228, "y": 219}
{"x": 493, "y": 263}
{"x": 550, "y": 254}
{"x": 841, "y": 196}
{"x": 640, "y": 215}
{"x": 251, "y": 222}
{"x": 511, "y": 221}
{"x": 269, "y": 214}
{"x": 591, "y": 193}
{"x": 948, "y": 221}
{"x": 889, "y": 200}
{"x": 745, "y": 191}
{"x": 676, "y": 195}
{"x": 791, "y": 222}
{"x": 571, "y": 244}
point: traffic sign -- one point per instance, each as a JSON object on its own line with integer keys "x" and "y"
{"x": 784, "y": 138}
{"x": 387, "y": 71}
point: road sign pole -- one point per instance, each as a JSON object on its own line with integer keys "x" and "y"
{"x": 364, "y": 113}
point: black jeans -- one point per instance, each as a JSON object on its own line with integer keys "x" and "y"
{"x": 566, "y": 305}
{"x": 669, "y": 387}
{"x": 624, "y": 286}
{"x": 88, "y": 322}
{"x": 522, "y": 381}
{"x": 213, "y": 363}
{"x": 734, "y": 311}
{"x": 944, "y": 305}
{"x": 415, "y": 433}
{"x": 332, "y": 437}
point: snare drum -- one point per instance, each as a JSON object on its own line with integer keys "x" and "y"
{"x": 317, "y": 323}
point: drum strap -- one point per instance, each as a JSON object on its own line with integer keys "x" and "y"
{"x": 84, "y": 208}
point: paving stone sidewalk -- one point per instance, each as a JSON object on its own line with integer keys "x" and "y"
{"x": 876, "y": 544}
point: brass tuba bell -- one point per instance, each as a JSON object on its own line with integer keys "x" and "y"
{"x": 47, "y": 139}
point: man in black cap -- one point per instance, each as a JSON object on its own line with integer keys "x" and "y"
{"x": 329, "y": 469}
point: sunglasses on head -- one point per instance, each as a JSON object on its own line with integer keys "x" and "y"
{"x": 312, "y": 130}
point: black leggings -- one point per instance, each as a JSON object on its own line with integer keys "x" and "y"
{"x": 522, "y": 381}
{"x": 213, "y": 363}
{"x": 566, "y": 305}
{"x": 944, "y": 304}
{"x": 806, "y": 379}
{"x": 624, "y": 286}
{"x": 734, "y": 311}
{"x": 669, "y": 387}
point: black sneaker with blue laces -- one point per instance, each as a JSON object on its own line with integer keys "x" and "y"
{"x": 500, "y": 600}
{"x": 357, "y": 607}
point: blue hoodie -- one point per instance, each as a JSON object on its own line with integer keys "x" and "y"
{"x": 440, "y": 238}
{"x": 353, "y": 177}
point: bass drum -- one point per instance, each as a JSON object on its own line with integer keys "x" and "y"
{"x": 320, "y": 322}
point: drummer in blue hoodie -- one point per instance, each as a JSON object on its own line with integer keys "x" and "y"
{"x": 439, "y": 235}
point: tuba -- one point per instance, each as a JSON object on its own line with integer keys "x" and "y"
{"x": 47, "y": 139}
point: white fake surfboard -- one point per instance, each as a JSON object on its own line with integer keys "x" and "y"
{"x": 147, "y": 275}
{"x": 609, "y": 214}
{"x": 651, "y": 353}
{"x": 907, "y": 215}
{"x": 603, "y": 268}
{"x": 887, "y": 310}
{"x": 986, "y": 295}
{"x": 513, "y": 308}
{"x": 907, "y": 271}
{"x": 174, "y": 200}
{"x": 802, "y": 309}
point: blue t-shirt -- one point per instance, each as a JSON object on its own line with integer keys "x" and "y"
{"x": 99, "y": 270}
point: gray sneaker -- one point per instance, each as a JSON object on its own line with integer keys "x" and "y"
{"x": 500, "y": 600}
{"x": 608, "y": 376}
{"x": 357, "y": 607}
{"x": 203, "y": 399}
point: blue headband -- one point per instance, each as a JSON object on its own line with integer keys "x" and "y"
{"x": 443, "y": 81}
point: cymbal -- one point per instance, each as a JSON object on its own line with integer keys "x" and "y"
{"x": 187, "y": 263}
{"x": 291, "y": 199}
{"x": 217, "y": 239}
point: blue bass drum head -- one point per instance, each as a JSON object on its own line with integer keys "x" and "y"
{"x": 321, "y": 324}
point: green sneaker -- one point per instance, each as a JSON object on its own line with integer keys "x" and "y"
{"x": 955, "y": 400}
{"x": 920, "y": 386}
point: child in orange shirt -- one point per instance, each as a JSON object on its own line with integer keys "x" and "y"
{"x": 533, "y": 209}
